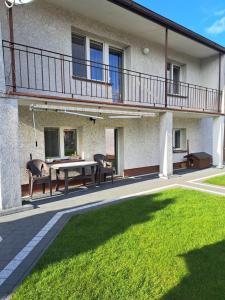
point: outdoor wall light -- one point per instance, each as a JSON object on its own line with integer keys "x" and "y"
{"x": 145, "y": 51}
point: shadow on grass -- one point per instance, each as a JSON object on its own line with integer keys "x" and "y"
{"x": 206, "y": 280}
{"x": 86, "y": 232}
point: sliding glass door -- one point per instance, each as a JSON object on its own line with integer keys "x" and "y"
{"x": 115, "y": 73}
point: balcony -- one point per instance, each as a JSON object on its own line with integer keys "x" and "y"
{"x": 45, "y": 74}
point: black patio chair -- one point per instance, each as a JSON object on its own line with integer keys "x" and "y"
{"x": 104, "y": 167}
{"x": 39, "y": 173}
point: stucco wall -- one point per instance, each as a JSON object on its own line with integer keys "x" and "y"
{"x": 199, "y": 134}
{"x": 43, "y": 25}
{"x": 140, "y": 137}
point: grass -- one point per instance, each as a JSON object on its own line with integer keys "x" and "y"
{"x": 168, "y": 245}
{"x": 217, "y": 180}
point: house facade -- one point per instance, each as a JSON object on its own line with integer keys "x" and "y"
{"x": 84, "y": 77}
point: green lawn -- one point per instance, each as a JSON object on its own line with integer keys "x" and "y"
{"x": 169, "y": 245}
{"x": 217, "y": 180}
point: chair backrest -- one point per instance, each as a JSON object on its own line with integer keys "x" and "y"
{"x": 38, "y": 167}
{"x": 100, "y": 159}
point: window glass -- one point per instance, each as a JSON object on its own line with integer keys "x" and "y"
{"x": 177, "y": 139}
{"x": 96, "y": 57}
{"x": 115, "y": 65}
{"x": 176, "y": 79}
{"x": 173, "y": 75}
{"x": 78, "y": 53}
{"x": 51, "y": 142}
{"x": 70, "y": 142}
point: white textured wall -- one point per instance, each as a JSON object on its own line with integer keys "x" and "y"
{"x": 42, "y": 25}
{"x": 210, "y": 71}
{"x": 199, "y": 134}
{"x": 140, "y": 137}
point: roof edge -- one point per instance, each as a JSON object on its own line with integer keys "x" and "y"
{"x": 167, "y": 23}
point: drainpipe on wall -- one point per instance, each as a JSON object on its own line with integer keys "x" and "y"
{"x": 11, "y": 39}
{"x": 166, "y": 61}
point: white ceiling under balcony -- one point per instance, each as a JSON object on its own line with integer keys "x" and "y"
{"x": 122, "y": 19}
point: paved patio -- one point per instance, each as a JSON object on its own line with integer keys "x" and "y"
{"x": 26, "y": 235}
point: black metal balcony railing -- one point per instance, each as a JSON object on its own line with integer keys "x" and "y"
{"x": 37, "y": 71}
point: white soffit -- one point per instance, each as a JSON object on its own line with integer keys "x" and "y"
{"x": 126, "y": 21}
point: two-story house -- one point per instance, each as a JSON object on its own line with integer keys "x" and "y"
{"x": 104, "y": 76}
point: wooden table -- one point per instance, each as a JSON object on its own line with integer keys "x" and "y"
{"x": 69, "y": 166}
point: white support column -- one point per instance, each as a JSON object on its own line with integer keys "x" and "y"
{"x": 166, "y": 145}
{"x": 218, "y": 141}
{"x": 10, "y": 190}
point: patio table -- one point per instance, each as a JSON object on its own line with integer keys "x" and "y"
{"x": 68, "y": 166}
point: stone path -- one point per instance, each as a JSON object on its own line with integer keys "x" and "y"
{"x": 24, "y": 236}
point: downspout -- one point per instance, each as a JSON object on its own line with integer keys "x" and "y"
{"x": 220, "y": 102}
{"x": 166, "y": 61}
{"x": 11, "y": 39}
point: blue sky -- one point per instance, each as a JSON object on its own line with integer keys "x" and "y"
{"x": 206, "y": 17}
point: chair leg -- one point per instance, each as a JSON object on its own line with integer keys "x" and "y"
{"x": 50, "y": 187}
{"x": 43, "y": 188}
{"x": 29, "y": 191}
{"x": 57, "y": 185}
{"x": 31, "y": 188}
{"x": 99, "y": 177}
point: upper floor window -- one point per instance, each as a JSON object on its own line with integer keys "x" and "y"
{"x": 96, "y": 58}
{"x": 79, "y": 55}
{"x": 174, "y": 77}
{"x": 90, "y": 58}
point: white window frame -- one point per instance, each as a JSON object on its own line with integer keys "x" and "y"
{"x": 106, "y": 45}
{"x": 183, "y": 139}
{"x": 61, "y": 140}
{"x": 171, "y": 79}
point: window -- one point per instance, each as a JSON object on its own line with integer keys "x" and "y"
{"x": 89, "y": 59}
{"x": 60, "y": 142}
{"x": 79, "y": 55}
{"x": 115, "y": 64}
{"x": 174, "y": 77}
{"x": 70, "y": 142}
{"x": 96, "y": 57}
{"x": 179, "y": 139}
{"x": 51, "y": 142}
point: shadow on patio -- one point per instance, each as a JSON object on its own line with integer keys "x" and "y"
{"x": 39, "y": 198}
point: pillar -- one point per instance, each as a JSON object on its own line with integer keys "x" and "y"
{"x": 166, "y": 144}
{"x": 218, "y": 141}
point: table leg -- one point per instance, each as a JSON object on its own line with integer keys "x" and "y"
{"x": 93, "y": 174}
{"x": 66, "y": 181}
{"x": 83, "y": 175}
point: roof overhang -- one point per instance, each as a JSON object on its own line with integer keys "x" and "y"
{"x": 167, "y": 23}
{"x": 129, "y": 17}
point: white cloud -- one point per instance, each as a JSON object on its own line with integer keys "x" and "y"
{"x": 220, "y": 12}
{"x": 217, "y": 27}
